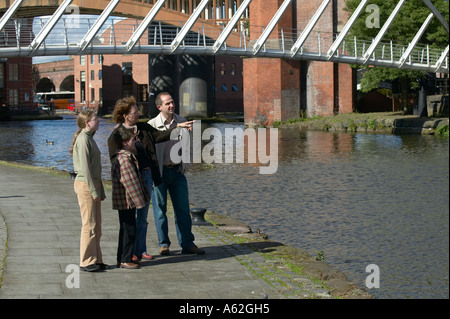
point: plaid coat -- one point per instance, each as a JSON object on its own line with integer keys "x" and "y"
{"x": 128, "y": 189}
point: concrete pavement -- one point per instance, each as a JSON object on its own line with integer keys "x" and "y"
{"x": 40, "y": 214}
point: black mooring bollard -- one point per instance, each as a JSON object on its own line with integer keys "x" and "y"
{"x": 198, "y": 216}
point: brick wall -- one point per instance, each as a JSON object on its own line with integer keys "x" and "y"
{"x": 272, "y": 86}
{"x": 111, "y": 82}
{"x": 228, "y": 73}
{"x": 56, "y": 71}
{"x": 112, "y": 78}
{"x": 22, "y": 85}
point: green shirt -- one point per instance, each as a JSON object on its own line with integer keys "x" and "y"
{"x": 87, "y": 163}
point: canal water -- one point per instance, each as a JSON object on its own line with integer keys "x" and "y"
{"x": 362, "y": 199}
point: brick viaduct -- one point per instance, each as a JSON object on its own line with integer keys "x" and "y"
{"x": 59, "y": 73}
{"x": 274, "y": 89}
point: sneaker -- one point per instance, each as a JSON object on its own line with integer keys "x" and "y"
{"x": 164, "y": 251}
{"x": 193, "y": 250}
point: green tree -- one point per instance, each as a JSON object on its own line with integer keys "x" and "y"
{"x": 405, "y": 26}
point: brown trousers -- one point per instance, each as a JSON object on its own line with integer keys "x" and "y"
{"x": 91, "y": 225}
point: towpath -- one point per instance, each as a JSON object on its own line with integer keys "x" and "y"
{"x": 39, "y": 235}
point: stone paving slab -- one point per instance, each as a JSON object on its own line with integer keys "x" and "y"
{"x": 40, "y": 213}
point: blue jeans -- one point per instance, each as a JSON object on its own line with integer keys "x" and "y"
{"x": 140, "y": 245}
{"x": 175, "y": 183}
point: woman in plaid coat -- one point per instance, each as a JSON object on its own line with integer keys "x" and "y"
{"x": 128, "y": 194}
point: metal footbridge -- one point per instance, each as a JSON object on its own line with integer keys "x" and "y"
{"x": 69, "y": 34}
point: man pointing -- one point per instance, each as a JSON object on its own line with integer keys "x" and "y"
{"x": 173, "y": 181}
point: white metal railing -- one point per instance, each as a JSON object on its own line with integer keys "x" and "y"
{"x": 110, "y": 35}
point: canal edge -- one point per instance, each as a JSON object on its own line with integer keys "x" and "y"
{"x": 378, "y": 123}
{"x": 292, "y": 271}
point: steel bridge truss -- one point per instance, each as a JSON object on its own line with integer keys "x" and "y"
{"x": 61, "y": 33}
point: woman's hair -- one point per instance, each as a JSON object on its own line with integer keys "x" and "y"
{"x": 123, "y": 134}
{"x": 83, "y": 117}
{"x": 123, "y": 107}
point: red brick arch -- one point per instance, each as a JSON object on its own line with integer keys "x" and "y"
{"x": 55, "y": 71}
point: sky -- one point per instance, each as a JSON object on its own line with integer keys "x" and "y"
{"x": 78, "y": 26}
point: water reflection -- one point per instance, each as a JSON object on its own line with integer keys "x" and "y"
{"x": 362, "y": 198}
{"x": 25, "y": 142}
{"x": 10, "y": 134}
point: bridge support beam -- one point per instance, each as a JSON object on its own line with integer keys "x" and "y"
{"x": 330, "y": 88}
{"x": 272, "y": 90}
{"x": 195, "y": 79}
{"x": 187, "y": 78}
{"x": 162, "y": 78}
{"x": 271, "y": 86}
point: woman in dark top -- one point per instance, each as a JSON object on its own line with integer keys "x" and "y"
{"x": 126, "y": 114}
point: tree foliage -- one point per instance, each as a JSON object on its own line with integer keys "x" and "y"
{"x": 403, "y": 29}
